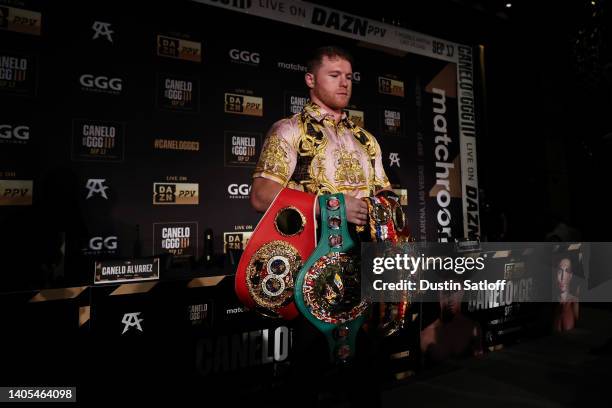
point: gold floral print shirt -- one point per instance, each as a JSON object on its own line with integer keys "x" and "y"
{"x": 310, "y": 152}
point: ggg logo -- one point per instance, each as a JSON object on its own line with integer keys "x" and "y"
{"x": 102, "y": 83}
{"x": 97, "y": 243}
{"x": 18, "y": 132}
{"x": 239, "y": 189}
{"x": 244, "y": 56}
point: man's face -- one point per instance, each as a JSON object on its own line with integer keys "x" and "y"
{"x": 450, "y": 305}
{"x": 564, "y": 274}
{"x": 332, "y": 82}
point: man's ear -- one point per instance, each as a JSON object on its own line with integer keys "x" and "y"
{"x": 310, "y": 80}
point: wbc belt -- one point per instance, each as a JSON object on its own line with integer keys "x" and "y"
{"x": 283, "y": 239}
{"x": 328, "y": 287}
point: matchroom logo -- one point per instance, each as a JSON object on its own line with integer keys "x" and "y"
{"x": 178, "y": 93}
{"x": 178, "y": 48}
{"x": 175, "y": 194}
{"x": 291, "y": 66}
{"x": 243, "y": 104}
{"x": 390, "y": 86}
{"x": 16, "y": 192}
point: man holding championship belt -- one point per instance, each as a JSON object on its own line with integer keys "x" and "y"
{"x": 321, "y": 151}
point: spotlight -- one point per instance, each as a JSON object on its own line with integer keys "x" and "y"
{"x": 508, "y": 5}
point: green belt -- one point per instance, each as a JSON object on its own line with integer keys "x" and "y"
{"x": 328, "y": 286}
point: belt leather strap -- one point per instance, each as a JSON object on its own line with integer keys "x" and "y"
{"x": 328, "y": 287}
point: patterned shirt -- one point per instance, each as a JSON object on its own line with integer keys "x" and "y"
{"x": 310, "y": 152}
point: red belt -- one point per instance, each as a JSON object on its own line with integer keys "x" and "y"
{"x": 282, "y": 241}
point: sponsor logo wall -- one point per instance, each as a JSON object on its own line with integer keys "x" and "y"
{"x": 165, "y": 122}
{"x": 140, "y": 139}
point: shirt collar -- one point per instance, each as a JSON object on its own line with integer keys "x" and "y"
{"x": 318, "y": 113}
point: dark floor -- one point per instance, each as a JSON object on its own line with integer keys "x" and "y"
{"x": 552, "y": 371}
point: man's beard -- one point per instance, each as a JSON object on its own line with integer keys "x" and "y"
{"x": 334, "y": 103}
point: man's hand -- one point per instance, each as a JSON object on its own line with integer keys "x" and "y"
{"x": 356, "y": 210}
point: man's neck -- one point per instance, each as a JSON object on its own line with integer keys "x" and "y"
{"x": 337, "y": 114}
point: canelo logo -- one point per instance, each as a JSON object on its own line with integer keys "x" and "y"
{"x": 179, "y": 93}
{"x": 131, "y": 320}
{"x": 97, "y": 140}
{"x": 261, "y": 346}
{"x": 394, "y": 159}
{"x": 295, "y": 103}
{"x": 13, "y": 69}
{"x": 102, "y": 29}
{"x": 96, "y": 186}
{"x": 178, "y": 239}
{"x": 392, "y": 120}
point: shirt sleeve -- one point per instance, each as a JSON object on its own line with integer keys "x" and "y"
{"x": 278, "y": 155}
{"x": 380, "y": 177}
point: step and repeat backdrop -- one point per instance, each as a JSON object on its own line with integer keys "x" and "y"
{"x": 129, "y": 133}
{"x": 127, "y": 141}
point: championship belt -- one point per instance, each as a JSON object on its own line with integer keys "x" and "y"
{"x": 388, "y": 224}
{"x": 400, "y": 223}
{"x": 283, "y": 238}
{"x": 328, "y": 287}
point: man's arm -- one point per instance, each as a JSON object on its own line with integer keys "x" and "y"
{"x": 263, "y": 192}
